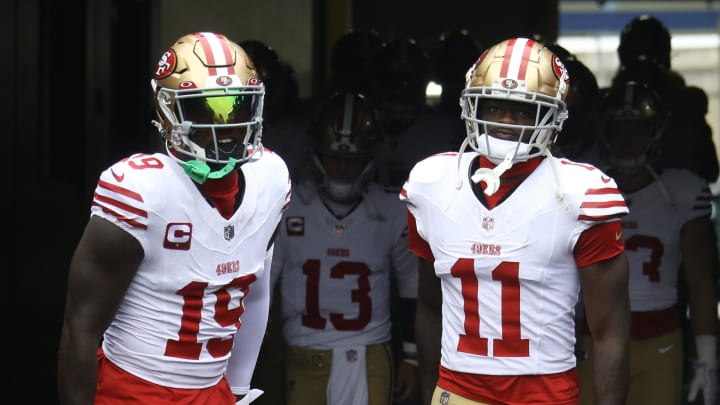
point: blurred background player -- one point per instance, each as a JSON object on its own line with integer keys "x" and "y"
{"x": 668, "y": 225}
{"x": 645, "y": 55}
{"x": 285, "y": 114}
{"x": 450, "y": 57}
{"x": 281, "y": 87}
{"x": 352, "y": 63}
{"x": 411, "y": 131}
{"x": 169, "y": 286}
{"x": 341, "y": 250}
{"x": 579, "y": 139}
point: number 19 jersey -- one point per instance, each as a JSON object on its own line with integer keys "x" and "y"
{"x": 176, "y": 323}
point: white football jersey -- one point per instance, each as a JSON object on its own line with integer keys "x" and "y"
{"x": 176, "y": 323}
{"x": 652, "y": 235}
{"x": 508, "y": 274}
{"x": 335, "y": 273}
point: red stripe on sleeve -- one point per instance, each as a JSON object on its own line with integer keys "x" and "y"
{"x": 120, "y": 190}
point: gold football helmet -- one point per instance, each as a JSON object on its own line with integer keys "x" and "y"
{"x": 524, "y": 71}
{"x": 346, "y": 130}
{"x": 209, "y": 104}
{"x": 632, "y": 118}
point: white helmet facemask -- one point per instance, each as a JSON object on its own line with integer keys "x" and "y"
{"x": 533, "y": 139}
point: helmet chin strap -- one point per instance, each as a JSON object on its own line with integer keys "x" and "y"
{"x": 491, "y": 177}
{"x": 199, "y": 171}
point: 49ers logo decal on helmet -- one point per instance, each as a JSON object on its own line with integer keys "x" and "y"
{"x": 509, "y": 84}
{"x": 166, "y": 65}
{"x": 559, "y": 69}
{"x": 224, "y": 81}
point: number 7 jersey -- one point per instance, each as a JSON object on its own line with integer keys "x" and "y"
{"x": 508, "y": 274}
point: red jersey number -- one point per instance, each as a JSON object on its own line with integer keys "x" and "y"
{"x": 361, "y": 295}
{"x": 511, "y": 344}
{"x": 187, "y": 345}
{"x": 650, "y": 268}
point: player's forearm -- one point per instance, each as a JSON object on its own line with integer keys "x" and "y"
{"x": 427, "y": 336}
{"x": 77, "y": 371}
{"x": 611, "y": 372}
{"x": 702, "y": 303}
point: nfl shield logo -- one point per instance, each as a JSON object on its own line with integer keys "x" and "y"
{"x": 351, "y": 355}
{"x": 488, "y": 223}
{"x": 444, "y": 398}
{"x": 229, "y": 232}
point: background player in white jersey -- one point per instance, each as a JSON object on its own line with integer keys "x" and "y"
{"x": 172, "y": 273}
{"x": 512, "y": 233}
{"x": 340, "y": 247}
{"x": 668, "y": 228}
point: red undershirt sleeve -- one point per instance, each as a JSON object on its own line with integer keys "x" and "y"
{"x": 416, "y": 243}
{"x": 599, "y": 243}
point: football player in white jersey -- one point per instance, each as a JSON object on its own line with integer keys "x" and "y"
{"x": 169, "y": 285}
{"x": 668, "y": 228}
{"x": 340, "y": 247}
{"x": 508, "y": 234}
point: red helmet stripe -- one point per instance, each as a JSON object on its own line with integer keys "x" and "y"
{"x": 525, "y": 59}
{"x": 507, "y": 57}
{"x": 229, "y": 60}
{"x": 515, "y": 61}
{"x": 217, "y": 53}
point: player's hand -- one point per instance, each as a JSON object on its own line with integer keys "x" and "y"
{"x": 406, "y": 384}
{"x": 705, "y": 380}
{"x": 250, "y": 396}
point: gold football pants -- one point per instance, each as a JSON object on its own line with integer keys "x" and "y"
{"x": 308, "y": 372}
{"x": 656, "y": 370}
